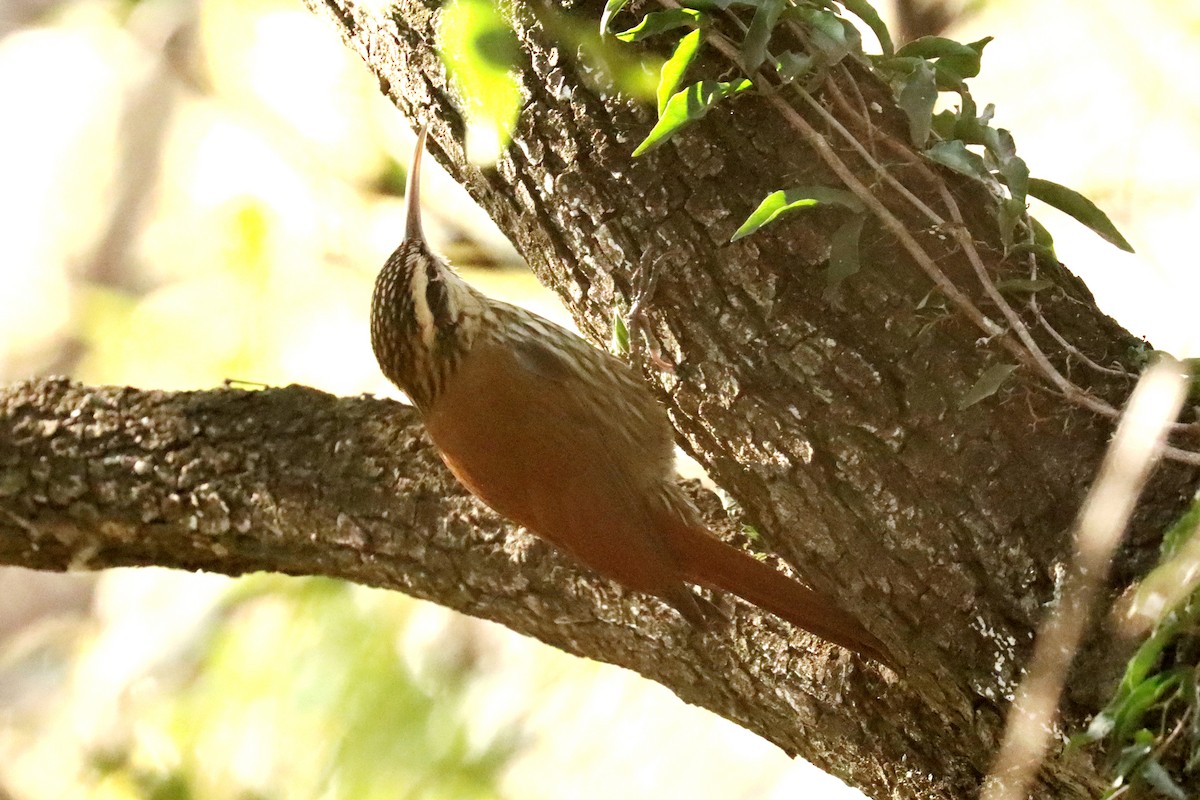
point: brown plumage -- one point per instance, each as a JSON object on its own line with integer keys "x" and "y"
{"x": 564, "y": 439}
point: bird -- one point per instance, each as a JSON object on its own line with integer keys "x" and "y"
{"x": 565, "y": 440}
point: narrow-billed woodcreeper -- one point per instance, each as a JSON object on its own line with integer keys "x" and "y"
{"x": 564, "y": 439}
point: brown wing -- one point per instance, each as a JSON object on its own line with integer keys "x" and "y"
{"x": 544, "y": 451}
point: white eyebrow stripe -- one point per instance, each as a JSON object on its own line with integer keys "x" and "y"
{"x": 418, "y": 283}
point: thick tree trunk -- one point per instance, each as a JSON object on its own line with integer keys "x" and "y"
{"x": 833, "y": 422}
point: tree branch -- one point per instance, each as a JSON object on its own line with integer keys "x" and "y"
{"x": 833, "y": 421}
{"x": 293, "y": 480}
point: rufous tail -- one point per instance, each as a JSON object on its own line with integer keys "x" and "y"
{"x": 707, "y": 561}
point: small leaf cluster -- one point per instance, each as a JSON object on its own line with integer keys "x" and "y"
{"x": 1151, "y": 727}
{"x": 829, "y": 36}
{"x": 962, "y": 139}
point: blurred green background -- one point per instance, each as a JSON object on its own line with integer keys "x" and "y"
{"x": 196, "y": 190}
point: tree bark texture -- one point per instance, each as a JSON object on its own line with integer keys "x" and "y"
{"x": 297, "y": 481}
{"x": 832, "y": 420}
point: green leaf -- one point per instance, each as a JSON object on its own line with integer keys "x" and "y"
{"x": 674, "y": 68}
{"x": 917, "y": 99}
{"x": 1024, "y": 285}
{"x": 1001, "y": 152}
{"x": 1181, "y": 530}
{"x": 827, "y": 34}
{"x": 867, "y": 13}
{"x": 935, "y": 47}
{"x": 1008, "y": 214}
{"x": 1075, "y": 205}
{"x": 1130, "y": 713}
{"x": 1144, "y": 660}
{"x": 1041, "y": 236}
{"x": 480, "y": 52}
{"x": 998, "y": 141}
{"x": 1015, "y": 173}
{"x": 1133, "y": 754}
{"x": 688, "y": 106}
{"x": 1160, "y": 779}
{"x": 1162, "y": 596}
{"x": 851, "y": 34}
{"x": 783, "y": 201}
{"x": 659, "y": 22}
{"x": 610, "y": 10}
{"x": 945, "y": 124}
{"x": 954, "y": 61}
{"x": 955, "y": 155}
{"x": 965, "y": 64}
{"x": 844, "y": 258}
{"x": 987, "y": 385}
{"x": 754, "y": 46}
{"x": 608, "y": 64}
{"x": 620, "y": 334}
{"x": 895, "y": 66}
{"x": 791, "y": 65}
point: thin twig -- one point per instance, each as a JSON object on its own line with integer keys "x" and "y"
{"x": 852, "y": 140}
{"x": 1036, "y": 309}
{"x": 962, "y": 235}
{"x": 1026, "y": 350}
{"x": 851, "y": 181}
{"x": 1074, "y": 351}
{"x": 863, "y": 110}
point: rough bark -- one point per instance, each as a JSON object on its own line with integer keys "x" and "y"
{"x": 832, "y": 421}
{"x": 297, "y": 481}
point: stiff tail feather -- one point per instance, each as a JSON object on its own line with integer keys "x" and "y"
{"x": 707, "y": 561}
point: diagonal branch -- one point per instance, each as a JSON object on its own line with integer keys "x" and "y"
{"x": 297, "y": 481}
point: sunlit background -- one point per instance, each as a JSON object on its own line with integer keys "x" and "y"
{"x": 200, "y": 190}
